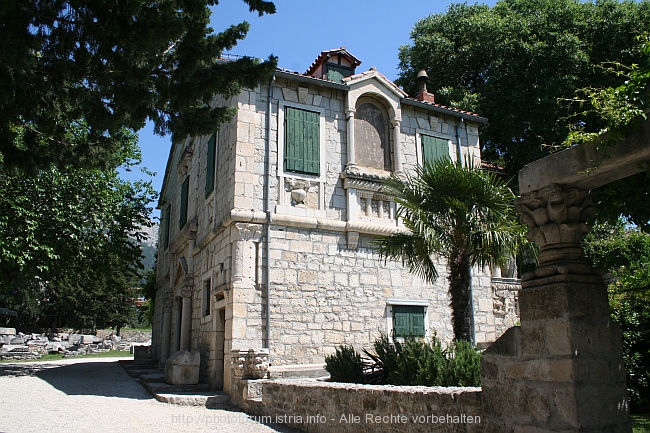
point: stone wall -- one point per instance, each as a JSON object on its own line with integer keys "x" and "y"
{"x": 324, "y": 295}
{"x": 314, "y": 406}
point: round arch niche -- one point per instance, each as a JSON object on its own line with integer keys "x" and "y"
{"x": 372, "y": 134}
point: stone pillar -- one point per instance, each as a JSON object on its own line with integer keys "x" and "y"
{"x": 351, "y": 149}
{"x": 244, "y": 285}
{"x": 562, "y": 369}
{"x": 397, "y": 148}
{"x": 243, "y": 325}
{"x": 166, "y": 328}
{"x": 186, "y": 320}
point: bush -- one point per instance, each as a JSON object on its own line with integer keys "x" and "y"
{"x": 412, "y": 362}
{"x": 345, "y": 365}
{"x": 464, "y": 365}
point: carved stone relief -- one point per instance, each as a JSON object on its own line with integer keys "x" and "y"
{"x": 371, "y": 137}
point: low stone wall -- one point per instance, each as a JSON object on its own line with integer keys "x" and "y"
{"x": 317, "y": 407}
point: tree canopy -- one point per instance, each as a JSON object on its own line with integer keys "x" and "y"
{"x": 70, "y": 247}
{"x": 516, "y": 62}
{"x": 624, "y": 253}
{"x": 109, "y": 65}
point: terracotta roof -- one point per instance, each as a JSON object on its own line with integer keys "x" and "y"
{"x": 445, "y": 108}
{"x": 324, "y": 55}
{"x": 372, "y": 72}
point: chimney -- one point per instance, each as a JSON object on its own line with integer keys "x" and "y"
{"x": 424, "y": 95}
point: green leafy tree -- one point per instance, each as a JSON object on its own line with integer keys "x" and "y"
{"x": 110, "y": 65}
{"x": 624, "y": 253}
{"x": 70, "y": 245}
{"x": 513, "y": 62}
{"x": 463, "y": 214}
{"x": 619, "y": 110}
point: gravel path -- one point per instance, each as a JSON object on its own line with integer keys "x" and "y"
{"x": 97, "y": 396}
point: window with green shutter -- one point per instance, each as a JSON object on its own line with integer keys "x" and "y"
{"x": 165, "y": 227}
{"x": 211, "y": 165}
{"x": 336, "y": 73}
{"x": 408, "y": 321}
{"x": 301, "y": 141}
{"x": 185, "y": 190}
{"x": 434, "y": 148}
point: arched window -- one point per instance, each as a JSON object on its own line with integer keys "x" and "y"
{"x": 371, "y": 136}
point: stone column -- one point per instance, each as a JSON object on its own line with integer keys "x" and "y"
{"x": 397, "y": 148}
{"x": 351, "y": 149}
{"x": 562, "y": 369}
{"x": 186, "y": 319}
{"x": 166, "y": 328}
{"x": 244, "y": 286}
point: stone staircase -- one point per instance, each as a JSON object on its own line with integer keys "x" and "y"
{"x": 152, "y": 378}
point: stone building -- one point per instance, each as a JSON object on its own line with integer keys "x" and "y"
{"x": 267, "y": 226}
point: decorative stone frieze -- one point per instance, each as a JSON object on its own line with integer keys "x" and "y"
{"x": 250, "y": 364}
{"x": 505, "y": 297}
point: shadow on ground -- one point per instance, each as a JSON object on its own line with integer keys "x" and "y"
{"x": 105, "y": 379}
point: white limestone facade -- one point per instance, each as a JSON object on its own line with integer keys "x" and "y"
{"x": 260, "y": 252}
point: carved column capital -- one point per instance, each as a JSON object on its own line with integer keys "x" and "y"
{"x": 555, "y": 216}
{"x": 248, "y": 232}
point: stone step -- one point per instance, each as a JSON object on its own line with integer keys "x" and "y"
{"x": 137, "y": 372}
{"x": 165, "y": 388}
{"x": 152, "y": 376}
{"x": 209, "y": 400}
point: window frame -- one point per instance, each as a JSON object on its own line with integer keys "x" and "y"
{"x": 282, "y": 141}
{"x": 211, "y": 165}
{"x": 206, "y": 297}
{"x": 420, "y": 144}
{"x": 338, "y": 69}
{"x": 185, "y": 202}
{"x": 391, "y": 305}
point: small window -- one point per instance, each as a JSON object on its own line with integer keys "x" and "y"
{"x": 338, "y": 72}
{"x": 165, "y": 227}
{"x": 207, "y": 288}
{"x": 211, "y": 165}
{"x": 185, "y": 190}
{"x": 408, "y": 321}
{"x": 301, "y": 141}
{"x": 433, "y": 149}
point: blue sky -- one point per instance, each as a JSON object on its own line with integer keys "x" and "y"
{"x": 300, "y": 29}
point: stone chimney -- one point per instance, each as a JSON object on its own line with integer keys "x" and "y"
{"x": 424, "y": 95}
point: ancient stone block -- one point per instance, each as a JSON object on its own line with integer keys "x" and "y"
{"x": 182, "y": 368}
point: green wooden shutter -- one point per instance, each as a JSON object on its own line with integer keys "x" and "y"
{"x": 434, "y": 148}
{"x": 338, "y": 72}
{"x": 211, "y": 165}
{"x": 408, "y": 320}
{"x": 302, "y": 141}
{"x": 166, "y": 227}
{"x": 185, "y": 189}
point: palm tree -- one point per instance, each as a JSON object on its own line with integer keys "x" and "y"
{"x": 463, "y": 214}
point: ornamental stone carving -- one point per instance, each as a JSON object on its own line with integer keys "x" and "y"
{"x": 299, "y": 189}
{"x": 250, "y": 364}
{"x": 556, "y": 217}
{"x": 248, "y": 232}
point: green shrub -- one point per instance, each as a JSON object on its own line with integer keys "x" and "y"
{"x": 411, "y": 362}
{"x": 345, "y": 365}
{"x": 463, "y": 365}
